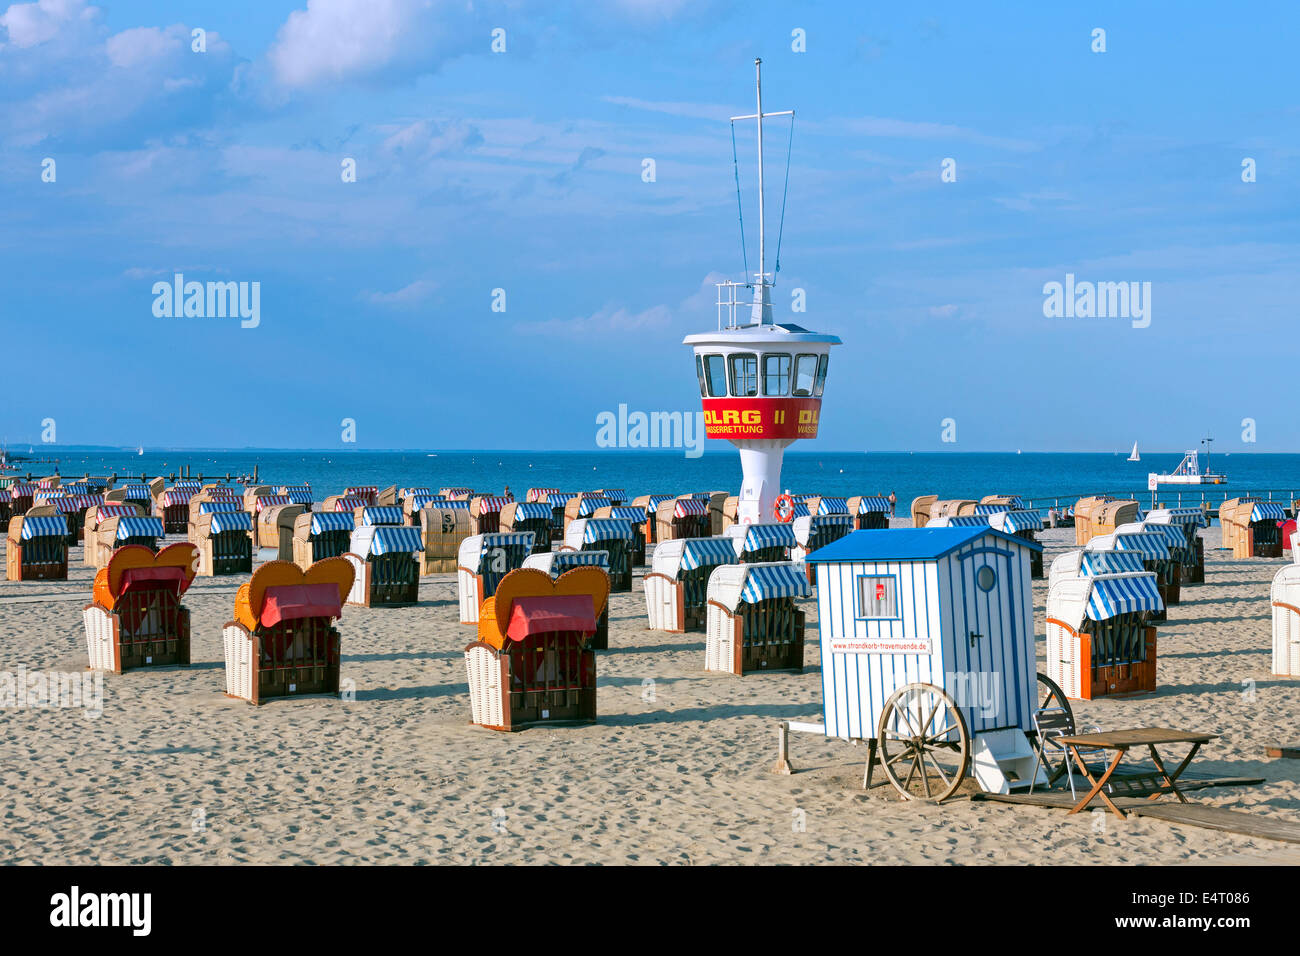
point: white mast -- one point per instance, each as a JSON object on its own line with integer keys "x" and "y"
{"x": 762, "y": 312}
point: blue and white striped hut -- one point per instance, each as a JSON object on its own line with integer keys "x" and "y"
{"x": 384, "y": 565}
{"x": 677, "y": 585}
{"x": 935, "y": 618}
{"x": 763, "y": 542}
{"x": 869, "y": 511}
{"x": 612, "y": 535}
{"x": 482, "y": 561}
{"x": 753, "y": 623}
{"x": 1099, "y": 635}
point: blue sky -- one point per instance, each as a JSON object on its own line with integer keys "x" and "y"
{"x": 522, "y": 171}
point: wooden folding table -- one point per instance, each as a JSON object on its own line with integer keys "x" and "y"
{"x": 1121, "y": 741}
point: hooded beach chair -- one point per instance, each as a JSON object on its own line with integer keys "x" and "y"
{"x": 282, "y": 641}
{"x": 275, "y": 528}
{"x": 22, "y": 495}
{"x": 135, "y": 618}
{"x": 225, "y": 541}
{"x": 583, "y": 506}
{"x": 1100, "y": 640}
{"x": 651, "y": 503}
{"x": 1191, "y": 554}
{"x": 682, "y": 517}
{"x": 320, "y": 534}
{"x": 763, "y": 543}
{"x": 533, "y": 516}
{"x": 385, "y": 569}
{"x": 533, "y": 663}
{"x": 173, "y": 506}
{"x": 1019, "y": 523}
{"x": 636, "y": 516}
{"x": 413, "y": 503}
{"x": 556, "y": 563}
{"x": 37, "y": 548}
{"x": 1156, "y": 558}
{"x": 483, "y": 560}
{"x": 94, "y": 553}
{"x": 370, "y": 493}
{"x": 869, "y": 512}
{"x": 611, "y": 535}
{"x": 485, "y": 512}
{"x": 1083, "y": 511}
{"x": 6, "y": 499}
{"x": 753, "y": 622}
{"x": 1252, "y": 528}
{"x": 135, "y": 493}
{"x": 677, "y": 585}
{"x": 119, "y": 531}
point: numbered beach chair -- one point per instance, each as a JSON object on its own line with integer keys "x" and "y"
{"x": 556, "y": 563}
{"x": 485, "y": 512}
{"x": 1189, "y": 522}
{"x": 135, "y": 618}
{"x": 677, "y": 585}
{"x": 753, "y": 622}
{"x": 37, "y": 548}
{"x": 444, "y": 526}
{"x": 319, "y": 535}
{"x": 1100, "y": 639}
{"x": 533, "y": 663}
{"x": 282, "y": 641}
{"x": 485, "y": 559}
{"x": 386, "y": 572}
{"x": 225, "y": 542}
{"x": 530, "y": 516}
{"x": 611, "y": 535}
{"x": 763, "y": 543}
{"x": 1083, "y": 512}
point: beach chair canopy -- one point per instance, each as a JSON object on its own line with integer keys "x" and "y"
{"x": 302, "y": 486}
{"x": 584, "y": 531}
{"x": 532, "y": 511}
{"x": 262, "y": 502}
{"x": 137, "y": 492}
{"x": 415, "y": 490}
{"x": 23, "y": 489}
{"x": 960, "y": 521}
{"x": 477, "y": 548}
{"x": 1074, "y": 600}
{"x": 177, "y": 496}
{"x": 350, "y": 503}
{"x": 559, "y": 499}
{"x": 66, "y": 505}
{"x": 134, "y": 567}
{"x": 672, "y": 558}
{"x": 382, "y": 515}
{"x": 805, "y": 527}
{"x": 691, "y": 507}
{"x": 1015, "y": 521}
{"x": 231, "y": 521}
{"x": 1172, "y": 533}
{"x": 281, "y": 591}
{"x": 833, "y": 506}
{"x": 1267, "y": 511}
{"x": 654, "y": 501}
{"x": 755, "y": 537}
{"x": 414, "y": 502}
{"x": 5, "y": 495}
{"x": 367, "y": 491}
{"x": 872, "y": 504}
{"x": 371, "y": 540}
{"x": 590, "y": 503}
{"x": 628, "y": 513}
{"x": 322, "y": 521}
{"x": 299, "y": 496}
{"x": 135, "y": 526}
{"x": 44, "y": 526}
{"x": 111, "y": 510}
{"x": 992, "y": 509}
{"x": 491, "y": 504}
{"x": 459, "y": 505}
{"x": 542, "y": 495}
{"x": 556, "y": 563}
{"x": 1149, "y": 544}
{"x": 1094, "y": 563}
{"x": 731, "y": 585}
{"x": 220, "y": 506}
{"x": 1179, "y": 516}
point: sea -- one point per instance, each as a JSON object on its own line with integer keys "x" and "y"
{"x": 1045, "y": 479}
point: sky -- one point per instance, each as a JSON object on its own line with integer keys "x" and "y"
{"x": 523, "y": 171}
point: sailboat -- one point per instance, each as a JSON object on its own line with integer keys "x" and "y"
{"x": 1133, "y": 455}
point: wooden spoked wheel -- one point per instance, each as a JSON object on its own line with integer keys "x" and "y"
{"x": 923, "y": 742}
{"x": 1050, "y": 696}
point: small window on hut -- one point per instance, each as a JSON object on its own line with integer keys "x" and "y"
{"x": 715, "y": 376}
{"x": 744, "y": 375}
{"x": 821, "y": 375}
{"x": 805, "y": 371}
{"x": 878, "y": 596}
{"x": 699, "y": 373}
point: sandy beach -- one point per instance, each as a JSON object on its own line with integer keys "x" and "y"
{"x": 676, "y": 771}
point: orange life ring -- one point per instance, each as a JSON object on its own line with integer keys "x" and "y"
{"x": 783, "y": 508}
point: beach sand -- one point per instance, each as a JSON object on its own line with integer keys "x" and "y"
{"x": 678, "y": 769}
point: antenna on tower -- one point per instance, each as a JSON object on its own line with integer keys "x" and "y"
{"x": 762, "y": 311}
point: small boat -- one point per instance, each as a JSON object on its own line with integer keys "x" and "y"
{"x": 1133, "y": 455}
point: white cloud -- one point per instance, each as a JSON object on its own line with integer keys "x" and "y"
{"x": 693, "y": 110}
{"x": 417, "y": 291}
{"x": 31, "y": 24}
{"x": 696, "y": 311}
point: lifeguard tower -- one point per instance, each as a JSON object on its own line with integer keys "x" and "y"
{"x": 761, "y": 382}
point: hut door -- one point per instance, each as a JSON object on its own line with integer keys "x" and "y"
{"x": 985, "y": 680}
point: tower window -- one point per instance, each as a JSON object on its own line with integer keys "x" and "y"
{"x": 744, "y": 375}
{"x": 776, "y": 375}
